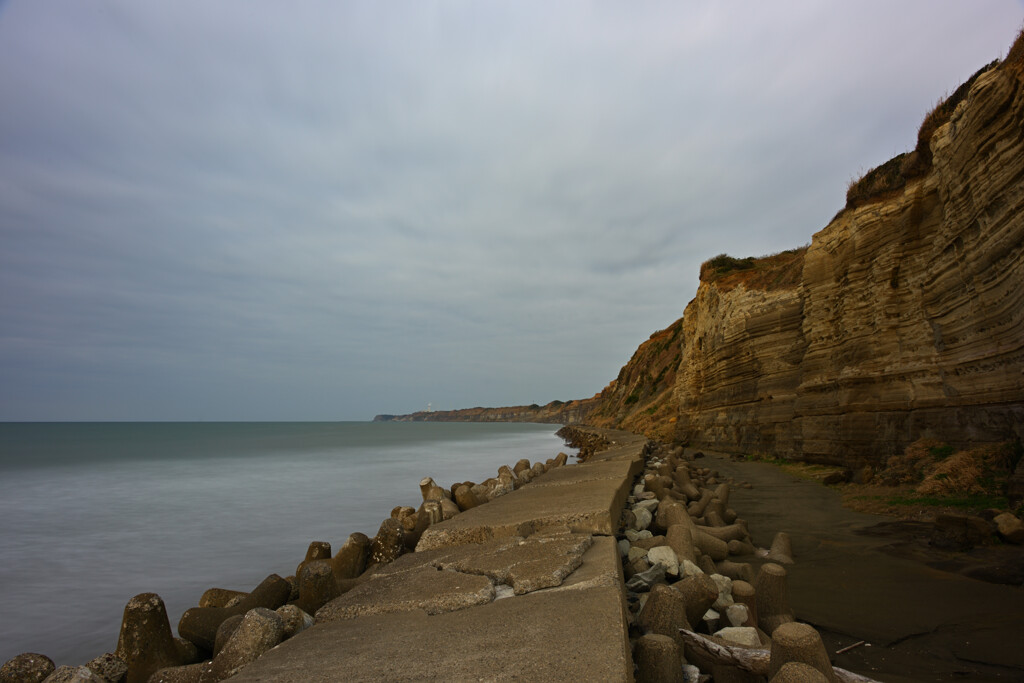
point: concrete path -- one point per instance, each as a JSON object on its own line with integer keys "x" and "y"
{"x": 526, "y": 587}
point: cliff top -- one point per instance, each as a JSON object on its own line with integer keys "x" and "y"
{"x": 774, "y": 271}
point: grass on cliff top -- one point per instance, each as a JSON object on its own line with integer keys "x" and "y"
{"x": 781, "y": 270}
{"x": 883, "y": 181}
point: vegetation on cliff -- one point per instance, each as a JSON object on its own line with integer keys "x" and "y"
{"x": 781, "y": 270}
{"x": 881, "y": 181}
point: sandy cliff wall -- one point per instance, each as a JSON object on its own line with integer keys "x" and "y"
{"x": 907, "y": 321}
{"x": 904, "y": 317}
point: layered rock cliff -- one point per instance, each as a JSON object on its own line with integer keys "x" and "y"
{"x": 903, "y": 319}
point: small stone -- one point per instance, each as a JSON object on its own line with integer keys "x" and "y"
{"x": 724, "y": 584}
{"x": 643, "y": 518}
{"x": 27, "y": 667}
{"x": 710, "y": 619}
{"x": 633, "y": 535}
{"x": 737, "y": 614}
{"x": 649, "y": 505}
{"x": 741, "y": 635}
{"x": 666, "y": 557}
{"x": 636, "y": 553}
{"x": 687, "y": 568}
{"x": 624, "y": 547}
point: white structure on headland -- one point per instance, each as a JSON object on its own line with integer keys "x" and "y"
{"x": 430, "y": 407}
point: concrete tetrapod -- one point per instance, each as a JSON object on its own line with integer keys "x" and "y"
{"x": 796, "y": 642}
{"x": 657, "y": 659}
{"x": 772, "y": 598}
{"x": 145, "y": 643}
{"x": 27, "y": 667}
{"x": 664, "y": 613}
{"x": 199, "y": 624}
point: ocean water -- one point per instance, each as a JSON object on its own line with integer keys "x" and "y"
{"x": 92, "y": 514}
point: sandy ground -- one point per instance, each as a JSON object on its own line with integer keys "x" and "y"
{"x": 920, "y": 622}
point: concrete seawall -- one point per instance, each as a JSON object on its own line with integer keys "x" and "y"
{"x": 527, "y": 587}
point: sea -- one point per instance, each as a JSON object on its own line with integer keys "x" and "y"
{"x": 92, "y": 514}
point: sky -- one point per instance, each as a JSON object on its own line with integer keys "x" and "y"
{"x": 256, "y": 210}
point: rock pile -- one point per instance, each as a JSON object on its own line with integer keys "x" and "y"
{"x": 229, "y": 629}
{"x": 703, "y": 600}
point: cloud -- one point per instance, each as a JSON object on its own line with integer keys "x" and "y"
{"x": 251, "y": 211}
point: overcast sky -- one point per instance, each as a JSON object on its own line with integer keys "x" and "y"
{"x": 264, "y": 210}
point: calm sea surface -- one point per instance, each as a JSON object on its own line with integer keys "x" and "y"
{"x": 92, "y": 514}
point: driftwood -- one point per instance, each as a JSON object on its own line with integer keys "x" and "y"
{"x": 753, "y": 660}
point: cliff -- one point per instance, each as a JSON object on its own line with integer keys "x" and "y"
{"x": 908, "y": 317}
{"x": 903, "y": 318}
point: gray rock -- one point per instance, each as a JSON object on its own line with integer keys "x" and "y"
{"x": 643, "y": 581}
{"x": 643, "y": 518}
{"x": 649, "y": 505}
{"x": 666, "y": 557}
{"x": 27, "y": 667}
{"x": 724, "y": 584}
{"x": 623, "y": 546}
{"x": 741, "y": 635}
{"x": 737, "y": 614}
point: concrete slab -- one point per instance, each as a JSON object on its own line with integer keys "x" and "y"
{"x": 585, "y": 498}
{"x": 577, "y": 631}
{"x": 427, "y": 588}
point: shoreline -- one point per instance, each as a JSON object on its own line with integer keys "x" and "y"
{"x": 611, "y": 545}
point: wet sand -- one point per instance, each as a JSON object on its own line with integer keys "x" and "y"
{"x": 922, "y": 624}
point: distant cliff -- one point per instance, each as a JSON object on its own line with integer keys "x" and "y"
{"x": 903, "y": 318}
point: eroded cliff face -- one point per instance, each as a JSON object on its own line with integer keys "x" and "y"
{"x": 903, "y": 319}
{"x": 908, "y": 319}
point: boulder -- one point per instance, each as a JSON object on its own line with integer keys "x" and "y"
{"x": 1009, "y": 528}
{"x": 27, "y": 667}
